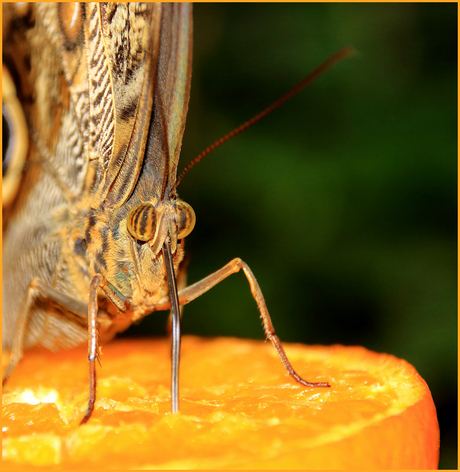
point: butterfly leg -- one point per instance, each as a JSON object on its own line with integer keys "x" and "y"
{"x": 38, "y": 289}
{"x": 98, "y": 281}
{"x": 92, "y": 346}
{"x": 84, "y": 315}
{"x": 194, "y": 291}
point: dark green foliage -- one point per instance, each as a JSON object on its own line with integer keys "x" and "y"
{"x": 343, "y": 202}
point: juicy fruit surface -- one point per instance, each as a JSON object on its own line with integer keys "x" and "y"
{"x": 238, "y": 409}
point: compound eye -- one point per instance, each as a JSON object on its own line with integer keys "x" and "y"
{"x": 185, "y": 217}
{"x": 142, "y": 221}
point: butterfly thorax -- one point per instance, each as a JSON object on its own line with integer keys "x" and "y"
{"x": 132, "y": 269}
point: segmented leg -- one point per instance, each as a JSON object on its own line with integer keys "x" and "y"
{"x": 92, "y": 346}
{"x": 38, "y": 289}
{"x": 98, "y": 281}
{"x": 194, "y": 291}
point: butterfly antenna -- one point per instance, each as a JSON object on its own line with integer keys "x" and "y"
{"x": 338, "y": 56}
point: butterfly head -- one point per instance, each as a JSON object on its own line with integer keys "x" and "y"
{"x": 152, "y": 224}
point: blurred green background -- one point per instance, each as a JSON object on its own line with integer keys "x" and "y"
{"x": 342, "y": 202}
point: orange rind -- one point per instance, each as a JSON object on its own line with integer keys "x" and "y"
{"x": 238, "y": 409}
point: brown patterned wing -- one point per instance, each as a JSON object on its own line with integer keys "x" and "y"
{"x": 170, "y": 105}
{"x": 110, "y": 65}
{"x": 85, "y": 75}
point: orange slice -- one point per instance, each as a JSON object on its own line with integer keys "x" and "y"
{"x": 239, "y": 409}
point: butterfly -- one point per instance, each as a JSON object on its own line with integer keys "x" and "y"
{"x": 94, "y": 231}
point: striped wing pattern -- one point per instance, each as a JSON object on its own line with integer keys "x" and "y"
{"x": 105, "y": 89}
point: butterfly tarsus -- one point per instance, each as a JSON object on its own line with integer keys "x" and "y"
{"x": 189, "y": 294}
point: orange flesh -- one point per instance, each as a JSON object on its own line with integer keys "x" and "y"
{"x": 239, "y": 409}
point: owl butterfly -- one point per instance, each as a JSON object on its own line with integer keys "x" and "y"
{"x": 93, "y": 228}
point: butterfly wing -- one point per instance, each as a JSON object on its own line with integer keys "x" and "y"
{"x": 87, "y": 78}
{"x": 170, "y": 105}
